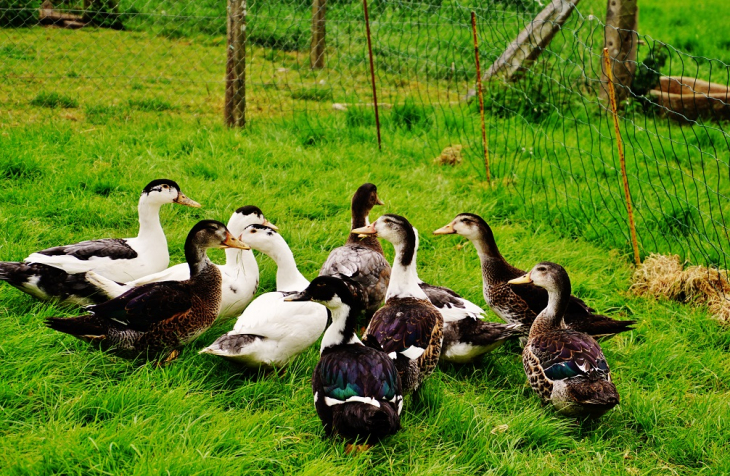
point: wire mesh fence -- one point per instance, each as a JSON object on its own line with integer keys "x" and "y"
{"x": 551, "y": 141}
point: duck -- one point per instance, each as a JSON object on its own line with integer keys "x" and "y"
{"x": 408, "y": 327}
{"x": 271, "y": 332}
{"x": 57, "y": 273}
{"x": 361, "y": 259}
{"x": 357, "y": 390}
{"x": 240, "y": 273}
{"x": 154, "y": 320}
{"x": 467, "y": 335}
{"x": 565, "y": 367}
{"x": 521, "y": 304}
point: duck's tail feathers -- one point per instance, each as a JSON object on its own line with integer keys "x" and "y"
{"x": 89, "y": 327}
{"x": 365, "y": 422}
{"x": 603, "y": 327}
{"x": 14, "y": 272}
{"x": 106, "y": 286}
{"x": 230, "y": 345}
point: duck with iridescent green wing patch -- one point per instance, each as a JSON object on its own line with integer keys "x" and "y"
{"x": 565, "y": 367}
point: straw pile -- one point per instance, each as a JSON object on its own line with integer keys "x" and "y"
{"x": 664, "y": 276}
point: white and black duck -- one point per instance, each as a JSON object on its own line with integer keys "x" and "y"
{"x": 57, "y": 273}
{"x": 357, "y": 390}
{"x": 271, "y": 331}
{"x": 361, "y": 258}
{"x": 521, "y": 304}
{"x": 240, "y": 273}
{"x": 565, "y": 367}
{"x": 408, "y": 328}
{"x": 155, "y": 319}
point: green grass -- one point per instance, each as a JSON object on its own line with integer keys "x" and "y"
{"x": 69, "y": 174}
{"x": 54, "y": 100}
{"x": 67, "y": 409}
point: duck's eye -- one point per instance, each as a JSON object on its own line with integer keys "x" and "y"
{"x": 542, "y": 268}
{"x": 320, "y": 285}
{"x": 253, "y": 230}
{"x": 165, "y": 186}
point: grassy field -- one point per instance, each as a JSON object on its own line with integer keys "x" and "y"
{"x": 82, "y": 134}
{"x": 67, "y": 409}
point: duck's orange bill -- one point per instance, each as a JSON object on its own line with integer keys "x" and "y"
{"x": 232, "y": 242}
{"x": 445, "y": 230}
{"x": 364, "y": 231}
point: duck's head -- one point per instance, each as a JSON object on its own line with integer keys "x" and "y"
{"x": 261, "y": 238}
{"x": 213, "y": 234}
{"x": 163, "y": 191}
{"x": 397, "y": 230}
{"x": 550, "y": 276}
{"x": 248, "y": 215}
{"x": 393, "y": 228}
{"x": 467, "y": 225}
{"x": 327, "y": 290}
{"x": 365, "y": 198}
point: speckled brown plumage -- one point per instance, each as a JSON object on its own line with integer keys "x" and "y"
{"x": 565, "y": 367}
{"x": 153, "y": 319}
{"x": 521, "y": 304}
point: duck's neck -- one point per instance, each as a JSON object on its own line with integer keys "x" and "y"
{"x": 404, "y": 280}
{"x": 149, "y": 220}
{"x": 342, "y": 329}
{"x": 360, "y": 219}
{"x": 197, "y": 259}
{"x": 492, "y": 262}
{"x": 288, "y": 277}
{"x": 552, "y": 316}
{"x": 240, "y": 259}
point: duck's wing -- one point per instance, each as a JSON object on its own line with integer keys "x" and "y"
{"x": 364, "y": 375}
{"x": 114, "y": 248}
{"x": 404, "y": 325}
{"x": 364, "y": 266}
{"x": 144, "y": 306}
{"x": 452, "y": 305}
{"x": 567, "y": 354}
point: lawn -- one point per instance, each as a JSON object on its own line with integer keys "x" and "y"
{"x": 80, "y": 137}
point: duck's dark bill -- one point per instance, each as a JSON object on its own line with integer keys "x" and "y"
{"x": 184, "y": 200}
{"x": 302, "y": 296}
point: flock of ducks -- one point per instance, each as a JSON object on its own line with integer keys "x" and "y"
{"x": 137, "y": 306}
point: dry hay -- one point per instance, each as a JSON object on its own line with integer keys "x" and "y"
{"x": 664, "y": 276}
{"x": 449, "y": 156}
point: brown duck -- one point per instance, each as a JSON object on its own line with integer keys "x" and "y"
{"x": 565, "y": 367}
{"x": 521, "y": 304}
{"x": 154, "y": 319}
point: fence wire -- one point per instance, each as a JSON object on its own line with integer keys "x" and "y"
{"x": 551, "y": 139}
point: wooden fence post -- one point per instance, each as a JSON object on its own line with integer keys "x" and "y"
{"x": 235, "y": 101}
{"x": 316, "y": 50}
{"x": 620, "y": 38}
{"x": 531, "y": 41}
